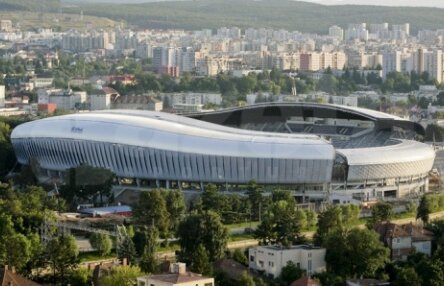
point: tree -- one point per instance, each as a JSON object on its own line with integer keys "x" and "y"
{"x": 152, "y": 210}
{"x": 290, "y": 273}
{"x": 328, "y": 221}
{"x": 357, "y": 252}
{"x": 381, "y": 211}
{"x": 281, "y": 224}
{"x": 213, "y": 200}
{"x": 125, "y": 246}
{"x": 328, "y": 83}
{"x": 256, "y": 200}
{"x": 206, "y": 229}
{"x": 87, "y": 183}
{"x": 431, "y": 272}
{"x": 148, "y": 260}
{"x": 101, "y": 242}
{"x": 200, "y": 263}
{"x": 246, "y": 280}
{"x": 175, "y": 205}
{"x": 122, "y": 276}
{"x": 239, "y": 256}
{"x": 366, "y": 252}
{"x": 407, "y": 277}
{"x": 80, "y": 277}
{"x": 424, "y": 209}
{"x": 62, "y": 255}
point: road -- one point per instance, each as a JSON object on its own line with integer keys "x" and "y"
{"x": 166, "y": 255}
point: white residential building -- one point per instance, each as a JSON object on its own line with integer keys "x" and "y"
{"x": 64, "y": 99}
{"x": 271, "y": 259}
{"x": 391, "y": 62}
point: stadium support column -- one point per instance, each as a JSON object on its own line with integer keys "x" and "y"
{"x": 167, "y": 184}
{"x": 157, "y": 184}
{"x": 202, "y": 187}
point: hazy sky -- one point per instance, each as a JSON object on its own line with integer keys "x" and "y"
{"x": 423, "y": 3}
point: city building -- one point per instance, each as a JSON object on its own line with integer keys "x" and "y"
{"x": 140, "y": 102}
{"x": 178, "y": 276}
{"x": 270, "y": 259}
{"x": 101, "y": 99}
{"x": 64, "y": 99}
{"x": 336, "y": 32}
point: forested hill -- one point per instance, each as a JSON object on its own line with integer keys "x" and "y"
{"x": 30, "y": 5}
{"x": 286, "y": 14}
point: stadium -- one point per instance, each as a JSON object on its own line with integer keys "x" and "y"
{"x": 319, "y": 151}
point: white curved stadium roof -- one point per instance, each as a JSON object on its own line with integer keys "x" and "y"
{"x": 175, "y": 133}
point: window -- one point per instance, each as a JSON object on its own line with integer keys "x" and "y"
{"x": 309, "y": 266}
{"x": 309, "y": 254}
{"x": 251, "y": 258}
{"x": 261, "y": 263}
{"x": 141, "y": 283}
{"x": 271, "y": 263}
{"x": 208, "y": 284}
{"x": 398, "y": 240}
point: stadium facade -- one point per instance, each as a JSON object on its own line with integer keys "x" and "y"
{"x": 352, "y": 154}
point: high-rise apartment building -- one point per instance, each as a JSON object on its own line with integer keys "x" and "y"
{"x": 357, "y": 32}
{"x": 391, "y": 62}
{"x": 336, "y": 32}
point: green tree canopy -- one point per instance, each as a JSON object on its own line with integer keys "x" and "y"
{"x": 424, "y": 209}
{"x": 355, "y": 253}
{"x": 62, "y": 255}
{"x": 101, "y": 242}
{"x": 200, "y": 263}
{"x": 407, "y": 276}
{"x": 152, "y": 210}
{"x": 148, "y": 261}
{"x": 205, "y": 228}
{"x": 381, "y": 211}
{"x": 122, "y": 276}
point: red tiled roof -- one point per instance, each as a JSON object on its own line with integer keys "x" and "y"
{"x": 305, "y": 281}
{"x": 9, "y": 278}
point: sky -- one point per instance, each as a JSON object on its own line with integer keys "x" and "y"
{"x": 422, "y": 3}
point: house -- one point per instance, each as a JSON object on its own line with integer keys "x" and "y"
{"x": 271, "y": 259}
{"x": 305, "y": 281}
{"x": 65, "y": 99}
{"x": 178, "y": 276}
{"x": 102, "y": 98}
{"x": 8, "y": 277}
{"x": 405, "y": 239}
{"x": 126, "y": 79}
{"x": 139, "y": 102}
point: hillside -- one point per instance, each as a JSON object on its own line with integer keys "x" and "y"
{"x": 30, "y": 5}
{"x": 59, "y": 22}
{"x": 286, "y": 14}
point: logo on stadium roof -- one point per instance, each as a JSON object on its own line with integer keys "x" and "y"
{"x": 76, "y": 130}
